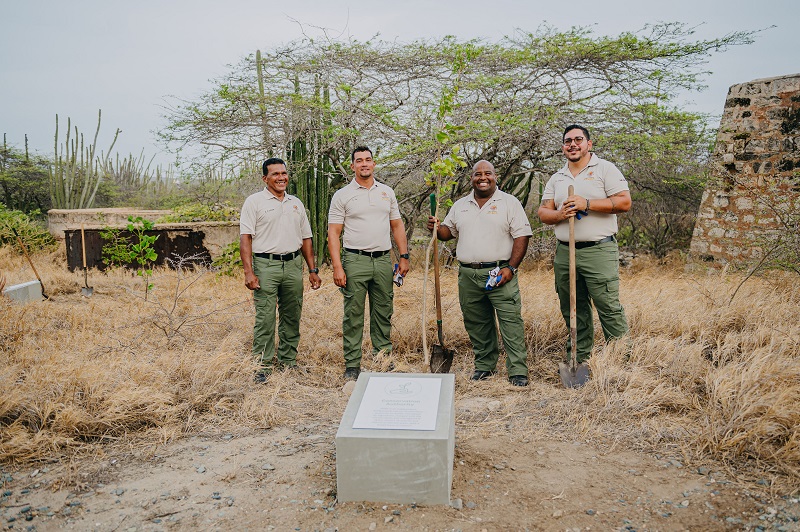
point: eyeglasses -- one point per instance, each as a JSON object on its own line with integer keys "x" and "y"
{"x": 576, "y": 140}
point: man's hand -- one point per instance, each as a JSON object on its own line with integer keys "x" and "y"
{"x": 403, "y": 267}
{"x": 339, "y": 277}
{"x": 506, "y": 275}
{"x": 432, "y": 223}
{"x": 315, "y": 280}
{"x": 251, "y": 281}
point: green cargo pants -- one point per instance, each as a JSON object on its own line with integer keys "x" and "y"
{"x": 282, "y": 286}
{"x": 373, "y": 277}
{"x": 597, "y": 281}
{"x": 479, "y": 307}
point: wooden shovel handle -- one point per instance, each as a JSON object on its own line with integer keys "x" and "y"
{"x": 83, "y": 247}
{"x": 573, "y": 315}
{"x": 437, "y": 289}
{"x": 25, "y": 251}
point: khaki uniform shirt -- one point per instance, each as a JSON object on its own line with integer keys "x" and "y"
{"x": 599, "y": 180}
{"x": 486, "y": 234}
{"x": 277, "y": 226}
{"x": 365, "y": 214}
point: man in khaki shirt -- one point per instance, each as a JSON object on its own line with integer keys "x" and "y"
{"x": 365, "y": 215}
{"x": 274, "y": 233}
{"x": 600, "y": 193}
{"x": 493, "y": 232}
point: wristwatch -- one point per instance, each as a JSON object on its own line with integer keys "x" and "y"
{"x": 405, "y": 256}
{"x": 313, "y": 270}
{"x": 513, "y": 269}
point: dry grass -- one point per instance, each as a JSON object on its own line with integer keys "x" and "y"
{"x": 697, "y": 377}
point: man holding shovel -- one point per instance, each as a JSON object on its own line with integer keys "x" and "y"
{"x": 600, "y": 192}
{"x": 493, "y": 232}
{"x": 365, "y": 216}
{"x": 275, "y": 231}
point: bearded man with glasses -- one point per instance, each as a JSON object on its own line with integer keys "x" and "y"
{"x": 601, "y": 192}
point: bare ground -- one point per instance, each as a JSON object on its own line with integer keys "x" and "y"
{"x": 284, "y": 478}
{"x": 108, "y": 426}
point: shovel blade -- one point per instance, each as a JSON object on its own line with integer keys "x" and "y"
{"x": 441, "y": 359}
{"x": 573, "y": 379}
{"x": 87, "y": 291}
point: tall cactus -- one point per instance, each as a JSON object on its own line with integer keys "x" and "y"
{"x": 77, "y": 170}
{"x": 310, "y": 167}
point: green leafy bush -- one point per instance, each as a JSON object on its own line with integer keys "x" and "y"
{"x": 199, "y": 212}
{"x": 230, "y": 261}
{"x": 35, "y": 237}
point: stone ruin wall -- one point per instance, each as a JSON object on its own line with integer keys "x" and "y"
{"x": 756, "y": 159}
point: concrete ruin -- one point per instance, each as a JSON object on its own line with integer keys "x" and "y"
{"x": 205, "y": 241}
{"x": 755, "y": 185}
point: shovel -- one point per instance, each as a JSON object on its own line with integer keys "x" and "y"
{"x": 441, "y": 357}
{"x": 87, "y": 290}
{"x": 573, "y": 375}
{"x": 25, "y": 251}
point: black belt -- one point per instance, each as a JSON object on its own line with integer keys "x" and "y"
{"x": 581, "y": 245}
{"x": 273, "y": 256}
{"x": 480, "y": 265}
{"x": 373, "y": 254}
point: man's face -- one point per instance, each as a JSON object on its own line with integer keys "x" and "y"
{"x": 277, "y": 179}
{"x": 484, "y": 180}
{"x": 362, "y": 164}
{"x": 576, "y": 146}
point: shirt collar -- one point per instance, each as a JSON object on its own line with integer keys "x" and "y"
{"x": 593, "y": 160}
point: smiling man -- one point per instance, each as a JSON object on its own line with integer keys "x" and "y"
{"x": 601, "y": 192}
{"x": 274, "y": 232}
{"x": 493, "y": 232}
{"x": 365, "y": 216}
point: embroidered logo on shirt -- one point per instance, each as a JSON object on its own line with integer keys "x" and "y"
{"x": 384, "y": 196}
{"x": 493, "y": 209}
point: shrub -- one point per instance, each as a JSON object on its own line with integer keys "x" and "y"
{"x": 35, "y": 237}
{"x": 198, "y": 212}
{"x": 230, "y": 261}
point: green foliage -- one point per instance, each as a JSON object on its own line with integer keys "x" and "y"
{"x": 506, "y": 102}
{"x": 230, "y": 261}
{"x": 135, "y": 248}
{"x": 23, "y": 179}
{"x": 33, "y": 235}
{"x": 198, "y": 212}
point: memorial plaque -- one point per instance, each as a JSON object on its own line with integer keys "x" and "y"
{"x": 396, "y": 440}
{"x": 398, "y": 403}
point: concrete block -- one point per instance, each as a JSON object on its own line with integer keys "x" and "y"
{"x": 396, "y": 462}
{"x": 30, "y": 291}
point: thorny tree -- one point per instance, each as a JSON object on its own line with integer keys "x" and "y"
{"x": 313, "y": 100}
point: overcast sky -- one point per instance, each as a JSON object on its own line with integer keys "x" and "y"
{"x": 75, "y": 57}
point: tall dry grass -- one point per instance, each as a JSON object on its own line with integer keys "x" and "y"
{"x": 698, "y": 377}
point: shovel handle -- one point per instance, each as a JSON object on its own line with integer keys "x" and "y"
{"x": 83, "y": 247}
{"x": 25, "y": 252}
{"x": 573, "y": 317}
{"x": 437, "y": 289}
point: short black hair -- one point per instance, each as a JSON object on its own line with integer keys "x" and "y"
{"x": 358, "y": 149}
{"x": 576, "y": 126}
{"x": 269, "y": 162}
